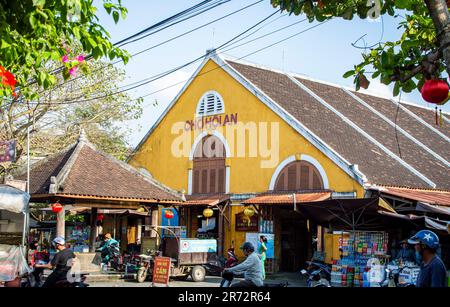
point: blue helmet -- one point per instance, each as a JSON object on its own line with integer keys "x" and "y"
{"x": 426, "y": 237}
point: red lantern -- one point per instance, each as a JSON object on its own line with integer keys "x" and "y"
{"x": 435, "y": 91}
{"x": 57, "y": 207}
{"x": 100, "y": 217}
{"x": 168, "y": 214}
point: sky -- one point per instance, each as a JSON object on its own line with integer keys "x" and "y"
{"x": 323, "y": 53}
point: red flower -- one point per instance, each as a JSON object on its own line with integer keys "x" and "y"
{"x": 8, "y": 79}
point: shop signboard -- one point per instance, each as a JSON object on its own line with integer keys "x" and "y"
{"x": 198, "y": 246}
{"x": 245, "y": 223}
{"x": 254, "y": 239}
{"x": 161, "y": 271}
{"x": 7, "y": 151}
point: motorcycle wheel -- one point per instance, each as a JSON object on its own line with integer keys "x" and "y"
{"x": 141, "y": 275}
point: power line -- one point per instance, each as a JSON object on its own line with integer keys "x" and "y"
{"x": 159, "y": 24}
{"x": 165, "y": 42}
{"x": 169, "y": 25}
{"x": 245, "y": 56}
{"x": 240, "y": 58}
{"x": 161, "y": 75}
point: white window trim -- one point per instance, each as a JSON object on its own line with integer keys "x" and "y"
{"x": 215, "y": 112}
{"x": 305, "y": 158}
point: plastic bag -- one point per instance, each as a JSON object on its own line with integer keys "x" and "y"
{"x": 13, "y": 200}
{"x": 12, "y": 262}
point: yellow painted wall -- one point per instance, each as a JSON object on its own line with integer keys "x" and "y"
{"x": 156, "y": 155}
{"x": 247, "y": 176}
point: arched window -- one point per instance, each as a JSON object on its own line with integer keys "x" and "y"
{"x": 211, "y": 103}
{"x": 299, "y": 175}
{"x": 209, "y": 168}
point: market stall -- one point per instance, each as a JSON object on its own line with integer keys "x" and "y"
{"x": 357, "y": 242}
{"x": 13, "y": 262}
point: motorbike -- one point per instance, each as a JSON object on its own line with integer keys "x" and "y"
{"x": 28, "y": 281}
{"x": 392, "y": 279}
{"x": 228, "y": 277}
{"x": 318, "y": 275}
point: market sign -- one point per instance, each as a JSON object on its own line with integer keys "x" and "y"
{"x": 161, "y": 271}
{"x": 246, "y": 223}
{"x": 7, "y": 151}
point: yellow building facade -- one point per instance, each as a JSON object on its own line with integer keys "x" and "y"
{"x": 258, "y": 139}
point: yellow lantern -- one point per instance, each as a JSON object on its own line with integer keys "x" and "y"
{"x": 208, "y": 213}
{"x": 249, "y": 212}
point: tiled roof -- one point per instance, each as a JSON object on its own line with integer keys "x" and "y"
{"x": 415, "y": 157}
{"x": 287, "y": 199}
{"x": 205, "y": 200}
{"x": 82, "y": 171}
{"x": 429, "y": 196}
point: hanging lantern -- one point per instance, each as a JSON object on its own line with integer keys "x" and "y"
{"x": 208, "y": 213}
{"x": 169, "y": 215}
{"x": 249, "y": 212}
{"x": 435, "y": 91}
{"x": 100, "y": 217}
{"x": 57, "y": 207}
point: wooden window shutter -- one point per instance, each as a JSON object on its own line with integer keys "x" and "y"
{"x": 292, "y": 177}
{"x": 212, "y": 181}
{"x": 204, "y": 181}
{"x": 196, "y": 182}
{"x": 221, "y": 180}
{"x": 304, "y": 177}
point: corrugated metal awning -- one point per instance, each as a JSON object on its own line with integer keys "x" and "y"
{"x": 287, "y": 199}
{"x": 429, "y": 196}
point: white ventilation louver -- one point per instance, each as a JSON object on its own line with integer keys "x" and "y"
{"x": 211, "y": 103}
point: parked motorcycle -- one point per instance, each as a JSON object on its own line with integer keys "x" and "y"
{"x": 392, "y": 279}
{"x": 144, "y": 267}
{"x": 318, "y": 275}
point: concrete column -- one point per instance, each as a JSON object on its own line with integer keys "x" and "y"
{"x": 93, "y": 233}
{"x": 61, "y": 223}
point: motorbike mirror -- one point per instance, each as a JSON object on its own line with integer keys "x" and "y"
{"x": 303, "y": 272}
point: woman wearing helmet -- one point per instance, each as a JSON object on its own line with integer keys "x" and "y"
{"x": 432, "y": 270}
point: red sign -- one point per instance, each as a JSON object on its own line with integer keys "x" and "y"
{"x": 7, "y": 151}
{"x": 161, "y": 271}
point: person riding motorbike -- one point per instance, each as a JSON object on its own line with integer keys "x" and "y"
{"x": 61, "y": 263}
{"x": 432, "y": 270}
{"x": 251, "y": 267}
{"x": 107, "y": 248}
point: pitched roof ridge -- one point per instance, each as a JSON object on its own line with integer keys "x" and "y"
{"x": 398, "y": 127}
{"x": 312, "y": 79}
{"x": 364, "y": 133}
{"x": 324, "y": 147}
{"x": 131, "y": 169}
{"x": 65, "y": 171}
{"x": 22, "y": 170}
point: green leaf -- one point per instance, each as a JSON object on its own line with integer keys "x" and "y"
{"x": 349, "y": 74}
{"x": 116, "y": 16}
{"x": 4, "y": 44}
{"x": 40, "y": 3}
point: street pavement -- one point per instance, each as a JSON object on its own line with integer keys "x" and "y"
{"x": 294, "y": 280}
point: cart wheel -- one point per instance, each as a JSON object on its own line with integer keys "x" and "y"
{"x": 141, "y": 275}
{"x": 198, "y": 273}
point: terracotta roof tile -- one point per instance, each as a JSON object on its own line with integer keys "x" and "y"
{"x": 92, "y": 173}
{"x": 287, "y": 199}
{"x": 373, "y": 162}
{"x": 379, "y": 129}
{"x": 430, "y": 196}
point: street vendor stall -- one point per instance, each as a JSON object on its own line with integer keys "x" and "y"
{"x": 359, "y": 250}
{"x": 13, "y": 262}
